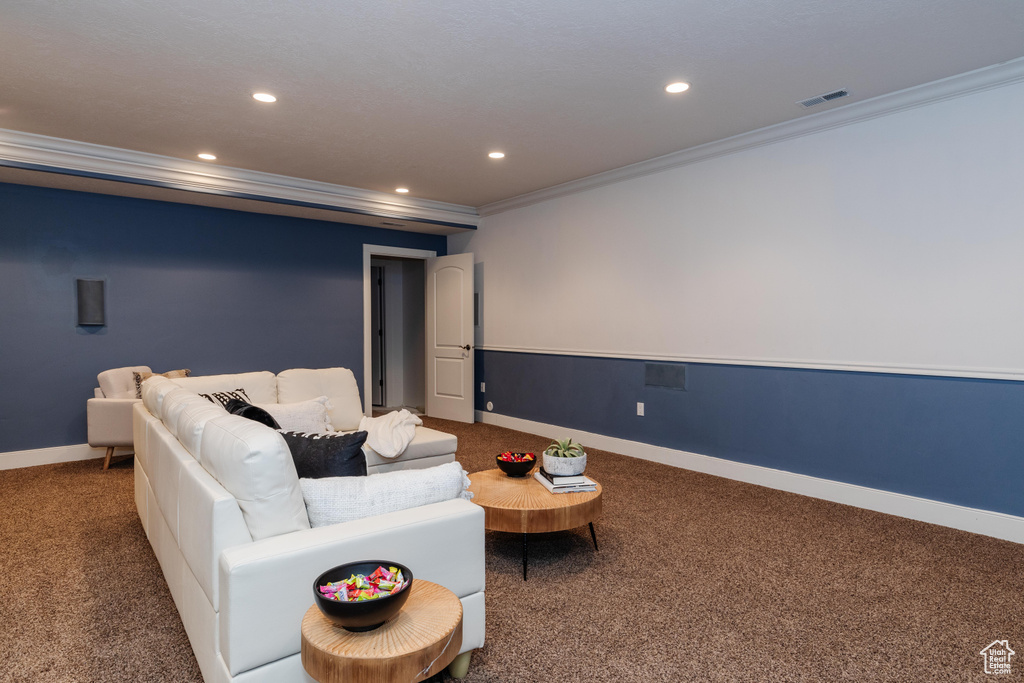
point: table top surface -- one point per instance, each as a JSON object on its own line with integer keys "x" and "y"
{"x": 427, "y": 628}
{"x": 522, "y": 504}
{"x": 494, "y": 488}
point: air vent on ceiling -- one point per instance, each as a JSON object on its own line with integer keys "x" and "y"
{"x": 821, "y": 99}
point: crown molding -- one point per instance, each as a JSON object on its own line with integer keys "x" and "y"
{"x": 57, "y": 155}
{"x": 937, "y": 91}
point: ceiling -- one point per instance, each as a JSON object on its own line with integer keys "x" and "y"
{"x": 376, "y": 94}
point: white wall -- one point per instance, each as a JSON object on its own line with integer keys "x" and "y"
{"x": 894, "y": 242}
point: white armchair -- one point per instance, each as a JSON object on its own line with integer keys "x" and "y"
{"x": 109, "y": 415}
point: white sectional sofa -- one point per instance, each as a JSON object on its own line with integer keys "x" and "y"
{"x": 239, "y": 571}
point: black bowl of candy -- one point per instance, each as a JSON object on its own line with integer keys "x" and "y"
{"x": 361, "y": 596}
{"x": 516, "y": 464}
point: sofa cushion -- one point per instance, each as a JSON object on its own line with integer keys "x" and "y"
{"x": 327, "y": 454}
{"x": 119, "y": 382}
{"x": 426, "y": 442}
{"x": 253, "y": 463}
{"x": 343, "y": 499}
{"x": 191, "y": 422}
{"x": 261, "y": 387}
{"x": 173, "y": 405}
{"x": 337, "y": 384}
{"x": 303, "y": 416}
{"x": 154, "y": 390}
{"x": 140, "y": 376}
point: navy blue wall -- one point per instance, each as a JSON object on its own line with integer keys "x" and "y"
{"x": 187, "y": 287}
{"x": 954, "y": 440}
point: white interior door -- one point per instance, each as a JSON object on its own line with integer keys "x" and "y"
{"x": 450, "y": 337}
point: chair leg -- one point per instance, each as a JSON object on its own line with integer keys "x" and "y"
{"x": 110, "y": 453}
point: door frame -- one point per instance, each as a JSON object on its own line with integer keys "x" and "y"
{"x": 369, "y": 251}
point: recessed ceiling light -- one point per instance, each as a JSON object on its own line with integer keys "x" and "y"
{"x": 207, "y": 156}
{"x": 677, "y": 87}
{"x": 401, "y": 190}
{"x": 497, "y": 155}
{"x": 264, "y": 97}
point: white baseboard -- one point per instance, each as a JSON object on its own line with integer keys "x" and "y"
{"x": 48, "y": 456}
{"x": 985, "y": 522}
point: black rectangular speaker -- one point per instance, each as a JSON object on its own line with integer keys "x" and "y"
{"x": 669, "y": 375}
{"x": 91, "y": 309}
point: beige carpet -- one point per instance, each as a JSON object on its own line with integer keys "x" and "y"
{"x": 697, "y": 579}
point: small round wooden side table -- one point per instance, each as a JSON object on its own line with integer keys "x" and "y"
{"x": 419, "y": 642}
{"x": 523, "y": 505}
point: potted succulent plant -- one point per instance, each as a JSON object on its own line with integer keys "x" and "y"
{"x": 565, "y": 458}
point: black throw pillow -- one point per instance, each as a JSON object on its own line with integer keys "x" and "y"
{"x": 237, "y": 406}
{"x": 327, "y": 455}
{"x": 222, "y": 398}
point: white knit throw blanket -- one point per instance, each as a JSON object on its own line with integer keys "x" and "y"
{"x": 390, "y": 434}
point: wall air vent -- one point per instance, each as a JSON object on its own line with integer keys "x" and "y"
{"x": 392, "y": 224}
{"x": 668, "y": 375}
{"x": 821, "y": 99}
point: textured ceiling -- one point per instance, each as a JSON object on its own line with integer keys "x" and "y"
{"x": 375, "y": 94}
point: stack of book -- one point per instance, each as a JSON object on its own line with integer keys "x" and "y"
{"x": 564, "y": 484}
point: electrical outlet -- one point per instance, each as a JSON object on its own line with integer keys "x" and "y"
{"x": 490, "y": 406}
{"x": 640, "y": 409}
{"x": 483, "y": 387}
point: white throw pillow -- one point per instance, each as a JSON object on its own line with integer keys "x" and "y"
{"x": 338, "y": 384}
{"x": 253, "y": 463}
{"x": 342, "y": 499}
{"x": 305, "y": 416}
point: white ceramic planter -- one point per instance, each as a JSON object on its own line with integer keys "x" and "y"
{"x": 565, "y": 467}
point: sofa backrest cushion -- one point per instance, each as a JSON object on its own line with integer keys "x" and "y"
{"x": 337, "y": 384}
{"x": 174, "y": 403}
{"x": 191, "y": 422}
{"x": 120, "y": 382}
{"x": 154, "y": 391}
{"x": 260, "y": 387}
{"x": 253, "y": 463}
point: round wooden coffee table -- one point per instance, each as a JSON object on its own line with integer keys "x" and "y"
{"x": 417, "y": 643}
{"x": 523, "y": 505}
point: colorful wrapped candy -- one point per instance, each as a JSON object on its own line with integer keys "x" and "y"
{"x": 358, "y": 588}
{"x": 509, "y": 456}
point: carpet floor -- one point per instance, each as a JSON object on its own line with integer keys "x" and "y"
{"x": 697, "y": 578}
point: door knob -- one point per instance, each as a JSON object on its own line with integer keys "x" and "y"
{"x": 466, "y": 347}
